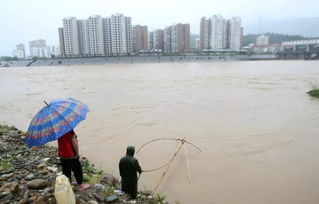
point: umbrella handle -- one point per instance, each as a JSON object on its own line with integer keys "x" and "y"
{"x": 45, "y": 102}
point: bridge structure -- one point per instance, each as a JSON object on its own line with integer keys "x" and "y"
{"x": 300, "y": 49}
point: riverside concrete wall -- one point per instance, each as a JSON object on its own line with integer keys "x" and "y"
{"x": 132, "y": 59}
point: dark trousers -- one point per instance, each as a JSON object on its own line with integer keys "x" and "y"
{"x": 129, "y": 186}
{"x": 74, "y": 165}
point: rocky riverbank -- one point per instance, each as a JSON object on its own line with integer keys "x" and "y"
{"x": 27, "y": 175}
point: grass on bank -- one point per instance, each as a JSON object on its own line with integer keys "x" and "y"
{"x": 315, "y": 91}
{"x": 5, "y": 164}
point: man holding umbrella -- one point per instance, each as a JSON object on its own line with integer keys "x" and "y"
{"x": 56, "y": 121}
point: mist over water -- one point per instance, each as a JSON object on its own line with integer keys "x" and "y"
{"x": 256, "y": 126}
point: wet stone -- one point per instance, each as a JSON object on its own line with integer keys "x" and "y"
{"x": 7, "y": 175}
{"x": 8, "y": 171}
{"x": 37, "y": 183}
{"x": 30, "y": 176}
{"x": 52, "y": 169}
{"x": 24, "y": 201}
{"x": 92, "y": 202}
{"x": 41, "y": 166}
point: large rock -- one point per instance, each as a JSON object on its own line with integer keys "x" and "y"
{"x": 37, "y": 183}
{"x": 10, "y": 187}
{"x": 41, "y": 166}
{"x": 109, "y": 179}
{"x": 24, "y": 201}
{"x": 40, "y": 200}
{"x": 14, "y": 187}
{"x": 5, "y": 176}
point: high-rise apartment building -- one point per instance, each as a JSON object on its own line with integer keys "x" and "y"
{"x": 156, "y": 40}
{"x": 129, "y": 34}
{"x": 217, "y": 33}
{"x": 193, "y": 41}
{"x": 121, "y": 34}
{"x": 140, "y": 38}
{"x": 37, "y": 48}
{"x": 83, "y": 33}
{"x": 167, "y": 39}
{"x": 177, "y": 38}
{"x": 262, "y": 40}
{"x": 151, "y": 40}
{"x": 107, "y": 33}
{"x": 235, "y": 33}
{"x": 19, "y": 52}
{"x": 183, "y": 37}
{"x": 205, "y": 33}
{"x": 61, "y": 41}
{"x": 71, "y": 36}
{"x": 95, "y": 35}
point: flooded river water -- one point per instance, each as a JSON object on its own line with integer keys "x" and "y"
{"x": 256, "y": 126}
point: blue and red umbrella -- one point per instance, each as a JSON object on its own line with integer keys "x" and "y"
{"x": 54, "y": 120}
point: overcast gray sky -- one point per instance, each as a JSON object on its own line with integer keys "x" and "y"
{"x": 25, "y": 20}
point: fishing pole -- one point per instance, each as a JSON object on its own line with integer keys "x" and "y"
{"x": 168, "y": 164}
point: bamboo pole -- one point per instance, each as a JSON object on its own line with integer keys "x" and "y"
{"x": 168, "y": 166}
{"x": 187, "y": 163}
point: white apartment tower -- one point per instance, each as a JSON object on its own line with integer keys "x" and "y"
{"x": 121, "y": 34}
{"x": 83, "y": 37}
{"x": 107, "y": 33}
{"x": 19, "y": 52}
{"x": 71, "y": 37}
{"x": 262, "y": 40}
{"x": 96, "y": 37}
{"x": 235, "y": 33}
{"x": 118, "y": 36}
{"x": 219, "y": 34}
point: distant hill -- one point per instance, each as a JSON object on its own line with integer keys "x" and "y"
{"x": 308, "y": 27}
{"x": 274, "y": 38}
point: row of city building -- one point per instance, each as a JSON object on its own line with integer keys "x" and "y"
{"x": 115, "y": 35}
{"x": 263, "y": 46}
{"x": 38, "y": 48}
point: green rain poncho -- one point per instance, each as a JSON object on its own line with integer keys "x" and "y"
{"x": 129, "y": 167}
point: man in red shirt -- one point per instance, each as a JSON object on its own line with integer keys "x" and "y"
{"x": 68, "y": 150}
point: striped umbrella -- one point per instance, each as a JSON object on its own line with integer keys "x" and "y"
{"x": 54, "y": 120}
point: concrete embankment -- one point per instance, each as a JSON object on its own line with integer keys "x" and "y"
{"x": 131, "y": 59}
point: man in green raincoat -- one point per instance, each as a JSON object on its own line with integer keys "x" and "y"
{"x": 129, "y": 167}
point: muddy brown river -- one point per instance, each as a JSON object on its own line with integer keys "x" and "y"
{"x": 256, "y": 126}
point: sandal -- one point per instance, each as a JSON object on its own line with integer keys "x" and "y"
{"x": 83, "y": 187}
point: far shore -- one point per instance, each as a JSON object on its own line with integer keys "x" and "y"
{"x": 131, "y": 60}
